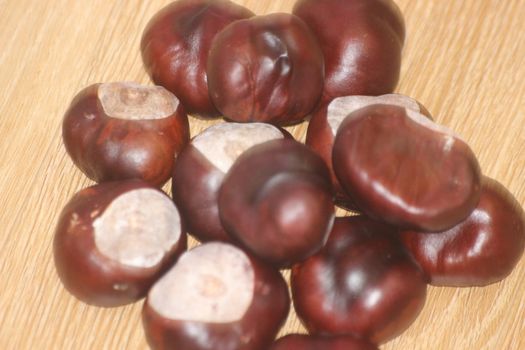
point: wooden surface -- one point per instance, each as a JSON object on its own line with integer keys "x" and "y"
{"x": 465, "y": 60}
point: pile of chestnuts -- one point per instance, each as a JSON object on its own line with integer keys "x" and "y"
{"x": 260, "y": 201}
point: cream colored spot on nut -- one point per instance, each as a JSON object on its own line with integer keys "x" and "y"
{"x": 212, "y": 283}
{"x": 121, "y": 287}
{"x": 138, "y": 228}
{"x": 449, "y": 136}
{"x": 74, "y": 221}
{"x": 223, "y": 143}
{"x": 341, "y": 107}
{"x": 131, "y": 101}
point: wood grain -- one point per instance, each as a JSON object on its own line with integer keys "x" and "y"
{"x": 465, "y": 60}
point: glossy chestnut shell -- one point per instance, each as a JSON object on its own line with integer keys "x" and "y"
{"x": 175, "y": 47}
{"x": 482, "y": 249}
{"x": 361, "y": 42}
{"x": 200, "y": 169}
{"x": 89, "y": 272}
{"x": 255, "y": 329}
{"x": 327, "y": 118}
{"x": 315, "y": 342}
{"x": 403, "y": 169}
{"x": 363, "y": 282}
{"x": 116, "y": 131}
{"x": 267, "y": 69}
{"x": 277, "y": 201}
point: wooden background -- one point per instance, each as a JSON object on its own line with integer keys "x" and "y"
{"x": 465, "y": 60}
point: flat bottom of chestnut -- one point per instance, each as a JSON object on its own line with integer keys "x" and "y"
{"x": 138, "y": 228}
{"x": 223, "y": 143}
{"x": 213, "y": 283}
{"x": 131, "y": 101}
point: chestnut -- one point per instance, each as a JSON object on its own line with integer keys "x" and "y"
{"x": 402, "y": 168}
{"x": 114, "y": 240}
{"x": 175, "y": 47}
{"x": 200, "y": 169}
{"x": 123, "y": 130}
{"x": 327, "y": 118}
{"x": 316, "y": 342}
{"x": 363, "y": 282}
{"x": 361, "y": 42}
{"x": 216, "y": 297}
{"x": 276, "y": 200}
{"x": 481, "y": 250}
{"x": 266, "y": 69}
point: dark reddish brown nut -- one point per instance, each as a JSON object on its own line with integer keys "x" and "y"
{"x": 200, "y": 169}
{"x": 316, "y": 342}
{"x": 216, "y": 297}
{"x": 361, "y": 41}
{"x": 267, "y": 69}
{"x": 175, "y": 47}
{"x": 114, "y": 240}
{"x": 326, "y": 120}
{"x": 277, "y": 201}
{"x": 403, "y": 169}
{"x": 119, "y": 131}
{"x": 481, "y": 250}
{"x": 363, "y": 282}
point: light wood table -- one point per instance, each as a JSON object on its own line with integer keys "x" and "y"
{"x": 465, "y": 60}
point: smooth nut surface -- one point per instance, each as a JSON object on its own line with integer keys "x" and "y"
{"x": 175, "y": 47}
{"x": 482, "y": 249}
{"x": 325, "y": 123}
{"x": 277, "y": 201}
{"x": 361, "y": 42}
{"x": 200, "y": 170}
{"x": 267, "y": 69}
{"x": 121, "y": 131}
{"x": 402, "y": 168}
{"x": 363, "y": 282}
{"x": 114, "y": 240}
{"x": 315, "y": 342}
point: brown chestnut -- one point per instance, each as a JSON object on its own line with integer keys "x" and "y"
{"x": 175, "y": 47}
{"x": 216, "y": 297}
{"x": 402, "y": 168}
{"x": 119, "y": 131}
{"x": 481, "y": 250}
{"x": 267, "y": 69}
{"x": 326, "y": 120}
{"x": 200, "y": 169}
{"x": 277, "y": 201}
{"x": 316, "y": 342}
{"x": 363, "y": 282}
{"x": 361, "y": 42}
{"x": 114, "y": 240}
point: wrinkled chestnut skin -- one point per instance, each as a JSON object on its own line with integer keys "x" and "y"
{"x": 363, "y": 282}
{"x": 195, "y": 187}
{"x": 481, "y": 250}
{"x": 404, "y": 173}
{"x": 110, "y": 149}
{"x": 361, "y": 41}
{"x": 313, "y": 342}
{"x": 255, "y": 331}
{"x": 175, "y": 47}
{"x": 85, "y": 272}
{"x": 320, "y": 138}
{"x": 267, "y": 69}
{"x": 277, "y": 201}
